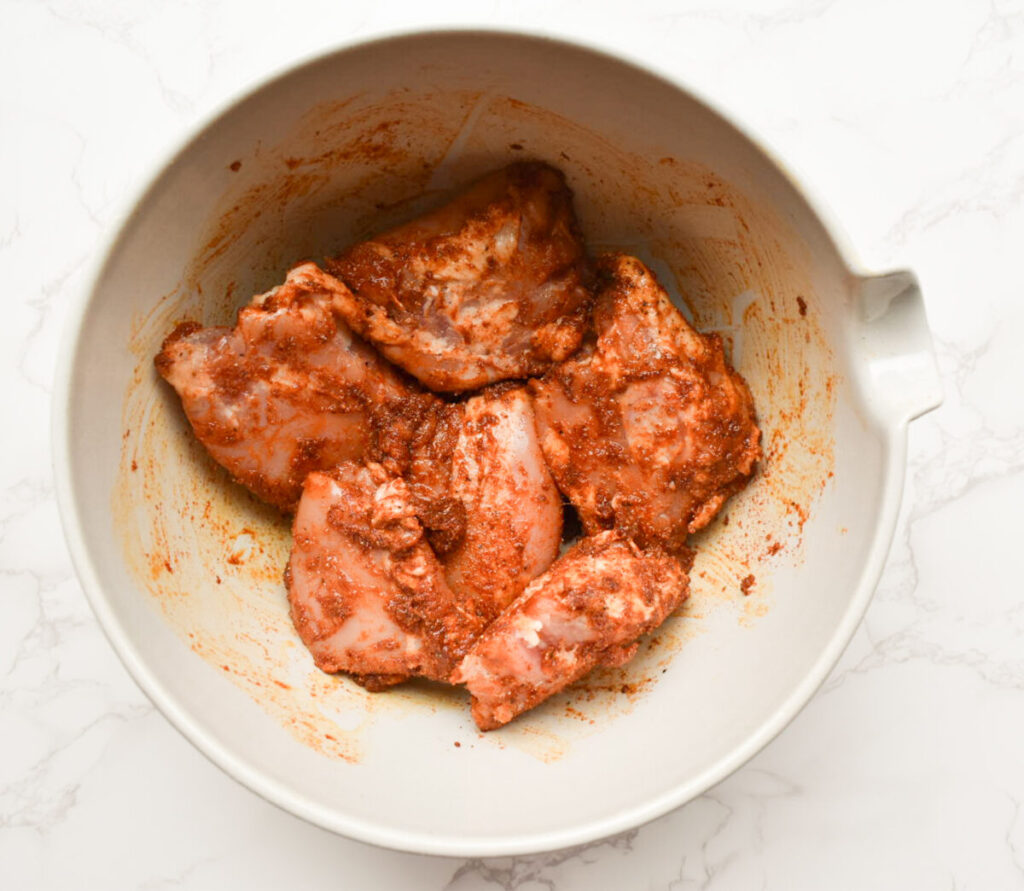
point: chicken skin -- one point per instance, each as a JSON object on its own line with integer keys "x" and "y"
{"x": 287, "y": 391}
{"x": 588, "y": 609}
{"x": 647, "y": 429}
{"x": 482, "y": 491}
{"x": 367, "y": 594}
{"x": 489, "y": 287}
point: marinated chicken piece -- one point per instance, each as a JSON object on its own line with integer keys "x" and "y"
{"x": 588, "y": 609}
{"x": 367, "y": 594}
{"x": 647, "y": 429}
{"x": 417, "y": 439}
{"x": 486, "y": 288}
{"x": 290, "y": 389}
{"x": 512, "y": 508}
{"x": 481, "y": 488}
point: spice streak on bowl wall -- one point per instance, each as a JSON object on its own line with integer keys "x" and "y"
{"x": 211, "y": 557}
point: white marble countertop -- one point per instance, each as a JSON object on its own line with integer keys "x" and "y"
{"x": 907, "y": 769}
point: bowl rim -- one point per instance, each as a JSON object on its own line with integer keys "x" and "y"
{"x": 892, "y": 439}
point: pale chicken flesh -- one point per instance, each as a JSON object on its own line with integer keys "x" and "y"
{"x": 647, "y": 429}
{"x": 588, "y": 609}
{"x": 368, "y": 596}
{"x": 287, "y": 391}
{"x": 489, "y": 287}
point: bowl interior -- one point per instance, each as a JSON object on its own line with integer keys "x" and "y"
{"x": 185, "y": 569}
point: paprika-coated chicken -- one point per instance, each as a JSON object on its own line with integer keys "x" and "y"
{"x": 588, "y": 609}
{"x": 367, "y": 594}
{"x": 513, "y": 509}
{"x": 647, "y": 429}
{"x": 287, "y": 391}
{"x": 481, "y": 488}
{"x": 489, "y": 287}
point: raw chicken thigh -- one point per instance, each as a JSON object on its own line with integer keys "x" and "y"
{"x": 482, "y": 490}
{"x": 367, "y": 594}
{"x": 486, "y": 288}
{"x": 647, "y": 429}
{"x": 287, "y": 391}
{"x": 513, "y": 511}
{"x": 586, "y": 610}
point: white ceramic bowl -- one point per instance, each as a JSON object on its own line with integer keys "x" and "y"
{"x": 184, "y": 570}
